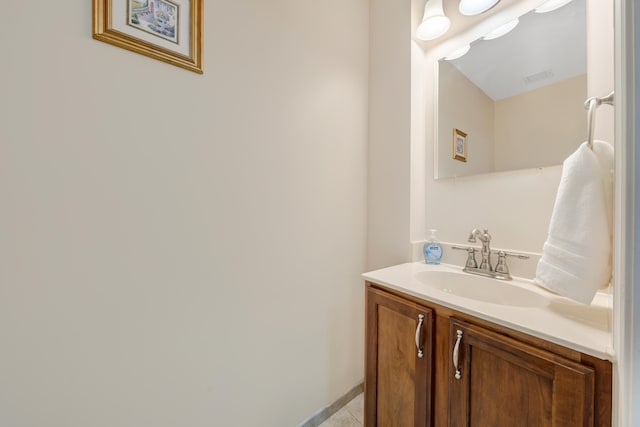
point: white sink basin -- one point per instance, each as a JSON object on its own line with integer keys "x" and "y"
{"x": 481, "y": 289}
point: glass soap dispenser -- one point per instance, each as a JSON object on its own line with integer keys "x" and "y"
{"x": 432, "y": 249}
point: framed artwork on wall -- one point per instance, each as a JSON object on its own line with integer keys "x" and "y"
{"x": 459, "y": 145}
{"x": 166, "y": 30}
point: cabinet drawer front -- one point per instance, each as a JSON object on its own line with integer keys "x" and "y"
{"x": 504, "y": 382}
{"x": 398, "y": 362}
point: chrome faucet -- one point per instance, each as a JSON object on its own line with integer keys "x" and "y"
{"x": 485, "y": 238}
{"x": 501, "y": 271}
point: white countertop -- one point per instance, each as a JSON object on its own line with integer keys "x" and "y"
{"x": 577, "y": 326}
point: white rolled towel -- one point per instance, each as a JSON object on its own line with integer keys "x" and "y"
{"x": 576, "y": 258}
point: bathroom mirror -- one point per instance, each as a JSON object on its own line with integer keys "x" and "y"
{"x": 517, "y": 99}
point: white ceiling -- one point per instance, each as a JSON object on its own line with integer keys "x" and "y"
{"x": 544, "y": 48}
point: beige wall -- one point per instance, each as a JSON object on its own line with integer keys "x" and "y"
{"x": 176, "y": 249}
{"x": 541, "y": 127}
{"x": 464, "y": 106}
{"x": 390, "y": 91}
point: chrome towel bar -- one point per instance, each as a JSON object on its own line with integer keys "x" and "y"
{"x": 591, "y": 105}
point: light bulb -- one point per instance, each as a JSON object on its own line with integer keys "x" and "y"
{"x": 434, "y": 22}
{"x": 475, "y": 7}
{"x": 433, "y": 27}
{"x": 458, "y": 53}
{"x": 501, "y": 30}
{"x": 551, "y": 5}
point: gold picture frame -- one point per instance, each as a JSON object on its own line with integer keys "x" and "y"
{"x": 459, "y": 145}
{"x": 166, "y": 30}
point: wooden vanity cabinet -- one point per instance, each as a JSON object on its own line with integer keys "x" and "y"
{"x": 500, "y": 382}
{"x": 398, "y": 365}
{"x": 506, "y": 378}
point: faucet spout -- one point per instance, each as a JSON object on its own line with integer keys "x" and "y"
{"x": 485, "y": 238}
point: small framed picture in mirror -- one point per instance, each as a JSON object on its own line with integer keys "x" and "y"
{"x": 459, "y": 145}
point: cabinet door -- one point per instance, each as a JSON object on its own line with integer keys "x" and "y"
{"x": 497, "y": 381}
{"x": 399, "y": 336}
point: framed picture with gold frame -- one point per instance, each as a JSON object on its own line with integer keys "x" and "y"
{"x": 166, "y": 30}
{"x": 459, "y": 145}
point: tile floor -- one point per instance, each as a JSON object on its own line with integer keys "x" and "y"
{"x": 350, "y": 415}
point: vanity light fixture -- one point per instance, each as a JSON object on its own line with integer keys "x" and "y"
{"x": 475, "y": 7}
{"x": 551, "y": 5}
{"x": 458, "y": 53}
{"x": 434, "y": 22}
{"x": 501, "y": 30}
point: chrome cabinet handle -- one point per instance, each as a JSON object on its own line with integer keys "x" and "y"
{"x": 418, "y": 346}
{"x": 456, "y": 353}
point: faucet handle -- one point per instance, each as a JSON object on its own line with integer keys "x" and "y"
{"x": 471, "y": 255}
{"x": 501, "y": 266}
{"x": 511, "y": 254}
{"x": 502, "y": 269}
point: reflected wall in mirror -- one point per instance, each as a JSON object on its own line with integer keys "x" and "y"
{"x": 519, "y": 98}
